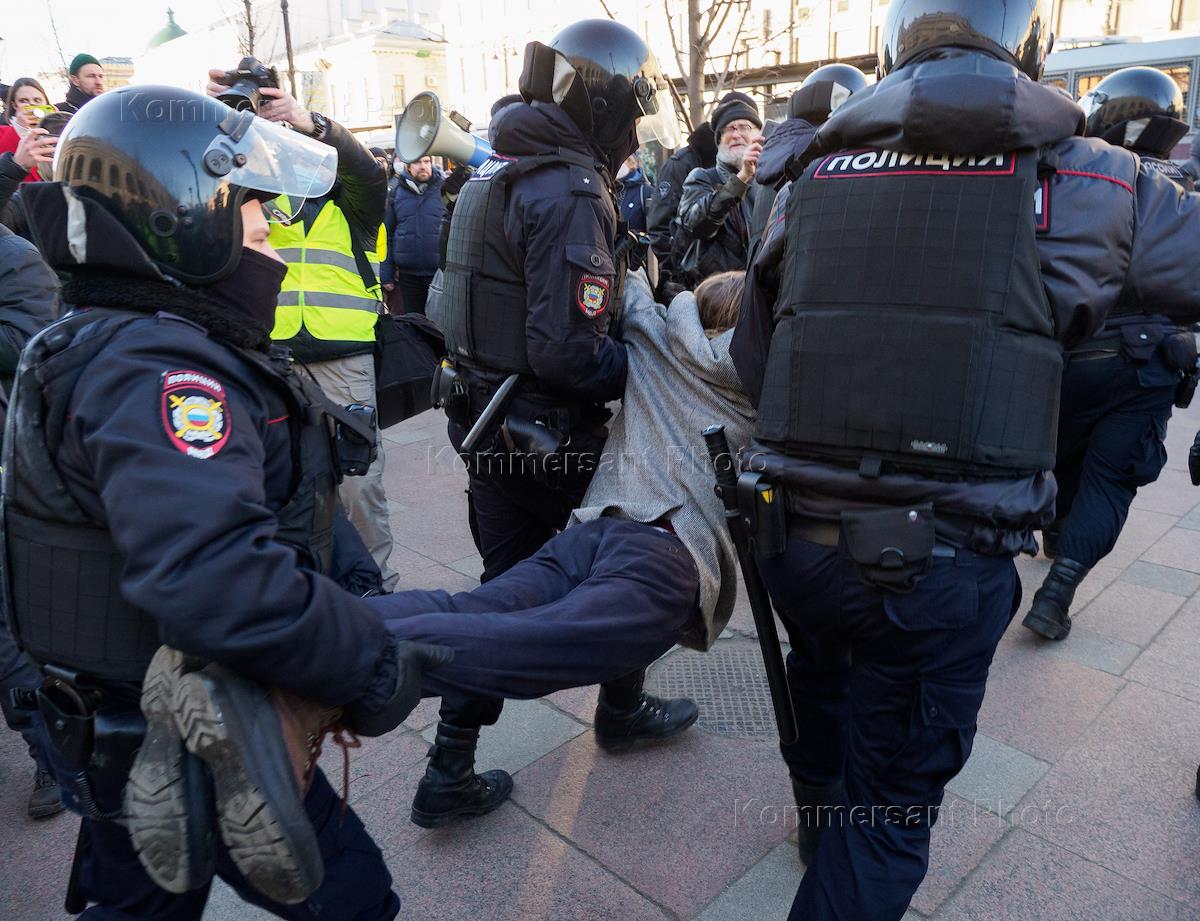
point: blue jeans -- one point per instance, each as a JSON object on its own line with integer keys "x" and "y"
{"x": 886, "y": 688}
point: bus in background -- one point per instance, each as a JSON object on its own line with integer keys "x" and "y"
{"x": 1083, "y": 63}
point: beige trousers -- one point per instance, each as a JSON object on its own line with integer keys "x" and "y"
{"x": 352, "y": 380}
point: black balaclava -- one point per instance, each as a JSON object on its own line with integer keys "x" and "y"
{"x": 250, "y": 291}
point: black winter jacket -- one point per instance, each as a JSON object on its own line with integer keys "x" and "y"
{"x": 1119, "y": 232}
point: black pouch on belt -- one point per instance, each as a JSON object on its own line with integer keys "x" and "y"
{"x": 893, "y": 547}
{"x": 1140, "y": 341}
{"x": 1179, "y": 351}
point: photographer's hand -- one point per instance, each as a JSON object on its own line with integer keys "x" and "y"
{"x": 215, "y": 85}
{"x": 35, "y": 149}
{"x": 279, "y": 106}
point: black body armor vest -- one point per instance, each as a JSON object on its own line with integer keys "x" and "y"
{"x": 914, "y": 333}
{"x": 483, "y": 281}
{"x": 62, "y": 568}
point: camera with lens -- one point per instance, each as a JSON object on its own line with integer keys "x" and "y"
{"x": 246, "y": 82}
{"x": 356, "y": 439}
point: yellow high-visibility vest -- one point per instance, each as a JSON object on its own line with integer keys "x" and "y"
{"x": 323, "y": 291}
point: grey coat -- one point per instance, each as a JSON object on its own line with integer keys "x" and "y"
{"x": 655, "y": 464}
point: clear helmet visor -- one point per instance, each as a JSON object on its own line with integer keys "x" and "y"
{"x": 265, "y": 157}
{"x": 658, "y": 121}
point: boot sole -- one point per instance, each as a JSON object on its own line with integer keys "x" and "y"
{"x": 1045, "y": 627}
{"x": 44, "y": 812}
{"x": 155, "y": 800}
{"x": 627, "y": 743}
{"x": 438, "y": 819}
{"x": 270, "y": 839}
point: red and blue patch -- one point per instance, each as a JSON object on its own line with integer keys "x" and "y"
{"x": 195, "y": 413}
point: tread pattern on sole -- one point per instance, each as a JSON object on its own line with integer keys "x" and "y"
{"x": 259, "y": 845}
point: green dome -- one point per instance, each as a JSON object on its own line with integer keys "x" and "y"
{"x": 168, "y": 32}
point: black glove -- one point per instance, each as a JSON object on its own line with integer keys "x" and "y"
{"x": 453, "y": 183}
{"x": 412, "y": 660}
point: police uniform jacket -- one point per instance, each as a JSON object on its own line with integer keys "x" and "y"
{"x": 1110, "y": 230}
{"x": 785, "y": 141}
{"x": 170, "y": 441}
{"x": 562, "y": 227}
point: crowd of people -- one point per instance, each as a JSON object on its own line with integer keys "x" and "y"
{"x": 939, "y": 314}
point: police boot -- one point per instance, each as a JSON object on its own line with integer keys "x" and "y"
{"x": 168, "y": 798}
{"x": 450, "y": 788}
{"x": 814, "y": 813}
{"x": 629, "y": 715}
{"x": 233, "y": 724}
{"x": 46, "y": 798}
{"x": 1048, "y": 616}
{"x": 1050, "y": 543}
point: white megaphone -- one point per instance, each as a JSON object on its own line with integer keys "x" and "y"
{"x": 422, "y": 132}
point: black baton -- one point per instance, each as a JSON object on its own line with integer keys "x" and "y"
{"x": 496, "y": 408}
{"x": 760, "y": 602}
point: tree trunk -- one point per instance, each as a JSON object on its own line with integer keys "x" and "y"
{"x": 696, "y": 58}
{"x": 249, "y": 28}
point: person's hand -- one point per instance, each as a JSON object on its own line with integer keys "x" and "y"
{"x": 389, "y": 286}
{"x": 216, "y": 82}
{"x": 750, "y": 160}
{"x": 279, "y": 106}
{"x": 35, "y": 149}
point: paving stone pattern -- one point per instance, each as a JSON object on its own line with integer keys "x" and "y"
{"x": 1077, "y": 802}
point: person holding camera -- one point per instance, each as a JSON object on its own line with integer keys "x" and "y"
{"x": 30, "y": 147}
{"x": 330, "y": 298}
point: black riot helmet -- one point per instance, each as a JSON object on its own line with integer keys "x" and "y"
{"x": 605, "y": 78}
{"x": 1014, "y": 30}
{"x": 1137, "y": 107}
{"x": 173, "y": 168}
{"x": 823, "y": 92}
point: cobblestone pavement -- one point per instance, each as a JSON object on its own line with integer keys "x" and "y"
{"x": 1077, "y": 802}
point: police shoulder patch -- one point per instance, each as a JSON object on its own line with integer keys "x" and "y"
{"x": 664, "y": 189}
{"x": 195, "y": 413}
{"x": 592, "y": 295}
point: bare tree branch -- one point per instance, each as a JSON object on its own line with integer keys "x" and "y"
{"x": 724, "y": 75}
{"x": 709, "y": 34}
{"x": 607, "y": 11}
{"x": 674, "y": 39}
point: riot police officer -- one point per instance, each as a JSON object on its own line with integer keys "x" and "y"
{"x": 168, "y": 478}
{"x": 899, "y": 338}
{"x": 1120, "y": 385}
{"x": 530, "y": 288}
{"x": 821, "y": 94}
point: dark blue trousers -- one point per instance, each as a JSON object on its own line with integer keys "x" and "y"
{"x": 17, "y": 671}
{"x": 1112, "y": 423}
{"x": 886, "y": 688}
{"x": 357, "y": 884}
{"x": 599, "y": 601}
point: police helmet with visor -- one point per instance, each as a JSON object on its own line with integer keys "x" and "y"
{"x": 174, "y": 167}
{"x": 1014, "y": 30}
{"x": 605, "y": 78}
{"x": 824, "y": 91}
{"x": 1136, "y": 107}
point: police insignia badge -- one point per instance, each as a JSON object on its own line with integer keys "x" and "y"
{"x": 664, "y": 189}
{"x": 592, "y": 295}
{"x": 195, "y": 413}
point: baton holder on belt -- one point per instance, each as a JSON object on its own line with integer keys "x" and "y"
{"x": 760, "y": 602}
{"x": 492, "y": 414}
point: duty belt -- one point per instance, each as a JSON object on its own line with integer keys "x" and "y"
{"x": 829, "y": 534}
